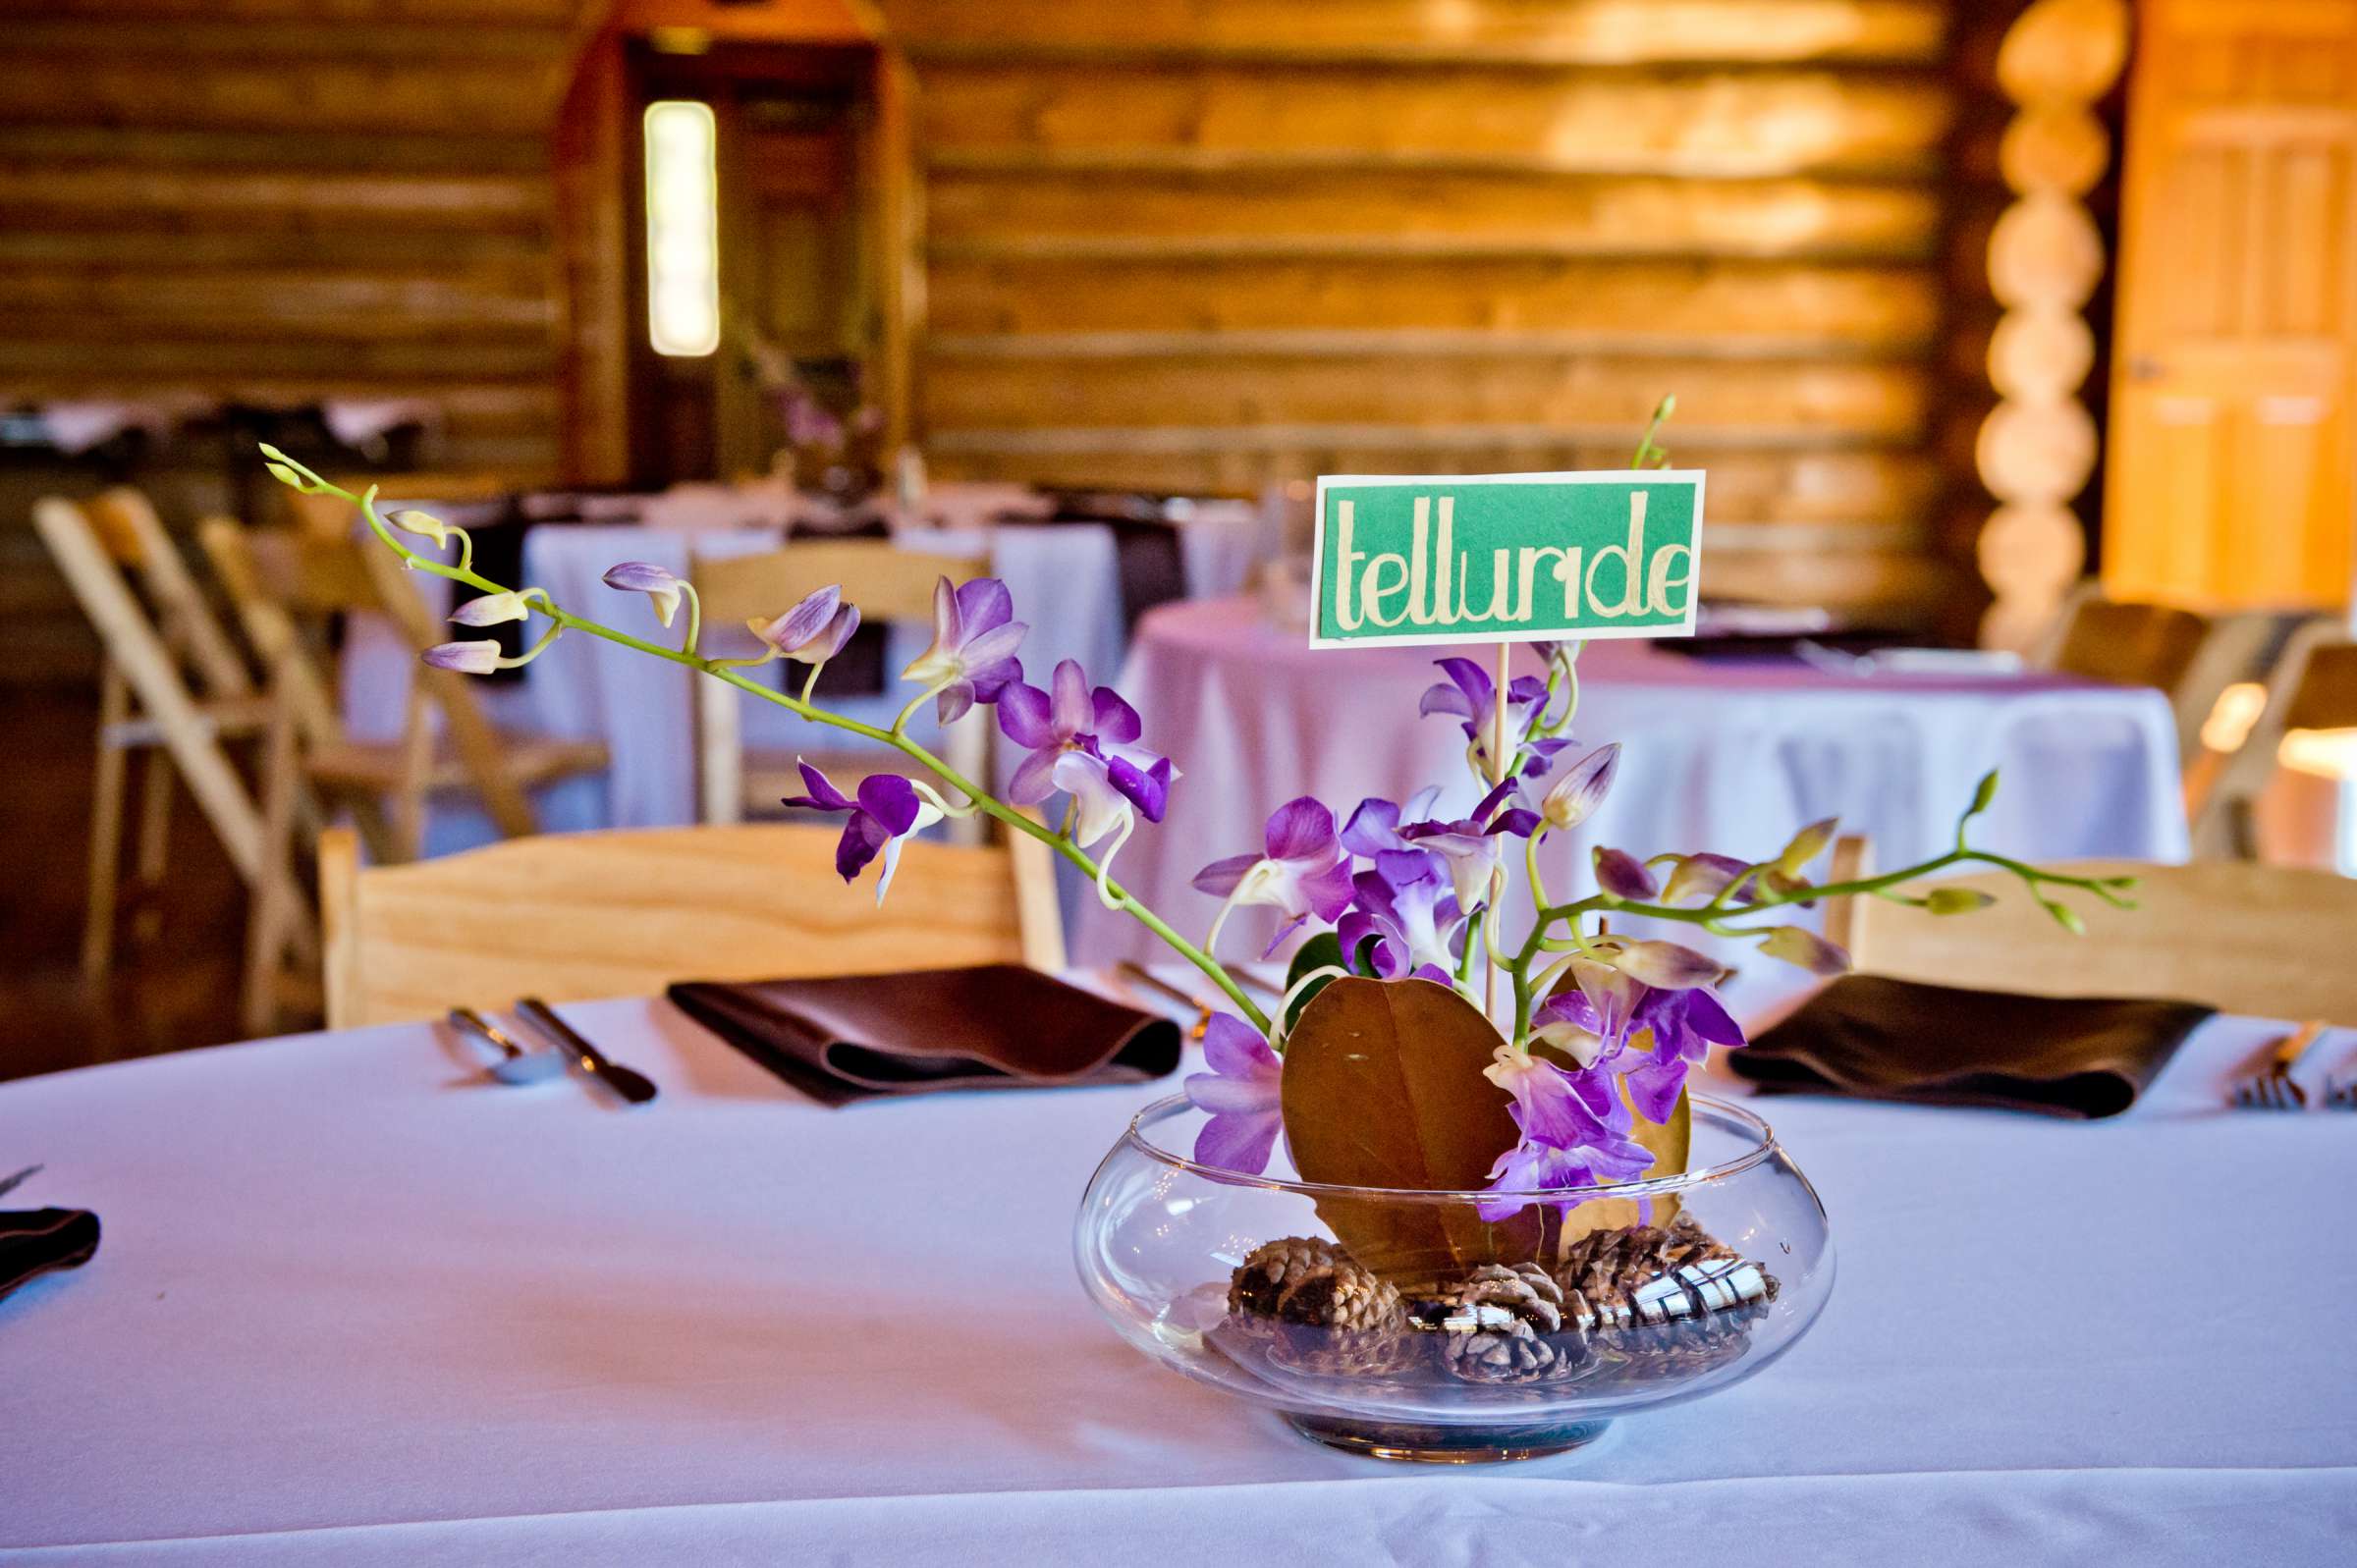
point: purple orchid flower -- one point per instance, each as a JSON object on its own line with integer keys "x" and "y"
{"x": 972, "y": 656}
{"x": 480, "y": 658}
{"x": 1084, "y": 743}
{"x": 1374, "y": 826}
{"x": 813, "y": 630}
{"x": 1471, "y": 695}
{"x": 1623, "y": 875}
{"x": 1538, "y": 1167}
{"x": 1560, "y": 1108}
{"x": 1612, "y": 1024}
{"x": 1241, "y": 1093}
{"x": 1705, "y": 876}
{"x": 888, "y": 809}
{"x": 1303, "y": 873}
{"x": 659, "y": 585}
{"x": 1571, "y": 799}
{"x": 1406, "y": 909}
{"x": 1469, "y": 847}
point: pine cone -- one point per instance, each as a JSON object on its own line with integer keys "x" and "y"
{"x": 1665, "y": 1299}
{"x": 1307, "y": 1281}
{"x": 1505, "y": 1326}
{"x": 1345, "y": 1352}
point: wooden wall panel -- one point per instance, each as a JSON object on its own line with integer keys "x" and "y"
{"x": 285, "y": 200}
{"x": 1214, "y": 245}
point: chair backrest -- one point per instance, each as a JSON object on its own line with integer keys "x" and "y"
{"x": 127, "y": 523}
{"x": 279, "y": 576}
{"x": 2269, "y": 941}
{"x": 2314, "y": 688}
{"x": 2189, "y": 658}
{"x": 571, "y": 917}
{"x": 889, "y": 584}
{"x": 136, "y": 647}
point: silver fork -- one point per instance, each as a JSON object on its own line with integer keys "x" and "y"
{"x": 2271, "y": 1088}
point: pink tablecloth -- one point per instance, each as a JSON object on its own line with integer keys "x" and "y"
{"x": 1718, "y": 756}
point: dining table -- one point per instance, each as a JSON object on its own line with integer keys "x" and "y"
{"x": 357, "y": 1304}
{"x": 1716, "y": 754}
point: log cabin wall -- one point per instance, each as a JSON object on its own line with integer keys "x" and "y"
{"x": 275, "y": 201}
{"x": 1205, "y": 245}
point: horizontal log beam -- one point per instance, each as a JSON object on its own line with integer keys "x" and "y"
{"x": 1499, "y": 31}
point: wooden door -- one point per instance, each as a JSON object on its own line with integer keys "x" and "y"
{"x": 2234, "y": 398}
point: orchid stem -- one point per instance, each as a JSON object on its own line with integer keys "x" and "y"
{"x": 1115, "y": 896}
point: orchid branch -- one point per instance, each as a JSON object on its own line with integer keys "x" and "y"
{"x": 293, "y": 475}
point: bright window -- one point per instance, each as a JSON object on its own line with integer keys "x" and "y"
{"x": 683, "y": 229}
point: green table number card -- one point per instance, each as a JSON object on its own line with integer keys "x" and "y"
{"x": 1506, "y": 557}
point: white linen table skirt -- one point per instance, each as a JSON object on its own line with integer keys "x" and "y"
{"x": 352, "y": 1307}
{"x": 1714, "y": 756}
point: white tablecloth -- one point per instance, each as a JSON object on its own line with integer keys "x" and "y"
{"x": 1063, "y": 579}
{"x": 354, "y": 1307}
{"x": 1714, "y": 756}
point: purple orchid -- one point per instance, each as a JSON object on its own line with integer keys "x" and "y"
{"x": 888, "y": 809}
{"x": 1303, "y": 873}
{"x": 1529, "y": 1167}
{"x": 659, "y": 585}
{"x": 1623, "y": 875}
{"x": 1571, "y": 799}
{"x": 1471, "y": 695}
{"x": 1706, "y": 876}
{"x": 972, "y": 654}
{"x": 480, "y": 658}
{"x": 1610, "y": 1023}
{"x": 1374, "y": 826}
{"x": 813, "y": 630}
{"x": 492, "y": 608}
{"x": 1241, "y": 1093}
{"x": 1084, "y": 743}
{"x": 1469, "y": 846}
{"x": 1403, "y": 919}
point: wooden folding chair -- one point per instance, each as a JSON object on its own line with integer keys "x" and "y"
{"x": 279, "y": 580}
{"x": 890, "y": 585}
{"x": 2312, "y": 693}
{"x": 2268, "y": 940}
{"x": 2189, "y": 658}
{"x": 170, "y": 687}
{"x": 571, "y": 917}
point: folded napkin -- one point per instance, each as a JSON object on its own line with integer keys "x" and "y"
{"x": 1883, "y": 1038}
{"x": 34, "y": 1242}
{"x": 1000, "y": 1026}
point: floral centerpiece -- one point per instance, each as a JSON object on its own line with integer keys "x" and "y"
{"x": 1518, "y": 1054}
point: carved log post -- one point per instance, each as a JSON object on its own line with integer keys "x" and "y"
{"x": 2037, "y": 448}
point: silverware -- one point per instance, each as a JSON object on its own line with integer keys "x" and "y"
{"x": 634, "y": 1087}
{"x": 2340, "y": 1094}
{"x": 2271, "y": 1088}
{"x": 1139, "y": 974}
{"x": 9, "y": 1184}
{"x": 516, "y": 1065}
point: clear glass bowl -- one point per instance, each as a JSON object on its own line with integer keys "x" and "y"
{"x": 1642, "y": 1294}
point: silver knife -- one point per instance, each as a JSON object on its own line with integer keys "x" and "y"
{"x": 634, "y": 1087}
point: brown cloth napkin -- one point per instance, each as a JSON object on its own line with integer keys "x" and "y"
{"x": 1000, "y": 1026}
{"x": 1882, "y": 1038}
{"x": 34, "y": 1242}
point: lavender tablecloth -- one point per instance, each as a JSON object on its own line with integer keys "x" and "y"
{"x": 1716, "y": 756}
{"x": 355, "y": 1309}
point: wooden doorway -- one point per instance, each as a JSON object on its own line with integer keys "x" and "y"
{"x": 804, "y": 160}
{"x": 2232, "y": 470}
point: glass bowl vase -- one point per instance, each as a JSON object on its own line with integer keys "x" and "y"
{"x": 1401, "y": 1324}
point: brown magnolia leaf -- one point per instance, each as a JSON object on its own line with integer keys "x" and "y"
{"x": 1382, "y": 1087}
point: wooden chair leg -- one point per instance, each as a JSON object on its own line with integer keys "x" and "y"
{"x": 106, "y": 830}
{"x": 155, "y": 842}
{"x": 266, "y": 937}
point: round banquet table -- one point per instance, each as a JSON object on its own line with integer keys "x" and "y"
{"x": 355, "y": 1307}
{"x": 1714, "y": 756}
